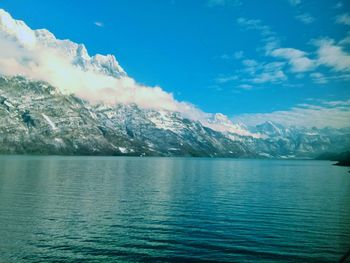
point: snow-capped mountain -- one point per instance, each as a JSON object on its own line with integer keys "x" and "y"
{"x": 36, "y": 117}
{"x": 77, "y": 54}
{"x": 37, "y": 43}
{"x": 222, "y": 123}
{"x": 269, "y": 128}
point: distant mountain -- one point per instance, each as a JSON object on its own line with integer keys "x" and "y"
{"x": 36, "y": 118}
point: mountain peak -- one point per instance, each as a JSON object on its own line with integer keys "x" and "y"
{"x": 44, "y": 34}
{"x": 16, "y": 29}
{"x": 109, "y": 64}
{"x": 222, "y": 123}
{"x": 271, "y": 128}
{"x": 77, "y": 54}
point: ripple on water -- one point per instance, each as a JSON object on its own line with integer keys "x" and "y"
{"x": 68, "y": 209}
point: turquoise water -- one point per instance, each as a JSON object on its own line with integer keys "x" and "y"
{"x": 116, "y": 209}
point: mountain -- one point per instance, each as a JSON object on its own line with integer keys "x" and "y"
{"x": 36, "y": 118}
{"x": 19, "y": 33}
{"x": 78, "y": 55}
{"x": 39, "y": 118}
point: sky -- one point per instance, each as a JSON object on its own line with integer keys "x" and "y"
{"x": 251, "y": 60}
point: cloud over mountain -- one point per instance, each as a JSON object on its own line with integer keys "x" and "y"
{"x": 333, "y": 113}
{"x": 37, "y": 54}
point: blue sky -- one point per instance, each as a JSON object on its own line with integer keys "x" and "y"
{"x": 229, "y": 56}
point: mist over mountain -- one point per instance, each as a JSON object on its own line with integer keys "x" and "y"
{"x": 37, "y": 118}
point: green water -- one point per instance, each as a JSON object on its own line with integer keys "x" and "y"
{"x": 116, "y": 209}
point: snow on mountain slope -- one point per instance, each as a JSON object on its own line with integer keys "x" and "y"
{"x": 43, "y": 120}
{"x": 110, "y": 113}
{"x": 271, "y": 129}
{"x": 39, "y": 55}
{"x": 35, "y": 117}
{"x": 16, "y": 29}
{"x": 222, "y": 123}
{"x": 66, "y": 64}
{"x": 76, "y": 53}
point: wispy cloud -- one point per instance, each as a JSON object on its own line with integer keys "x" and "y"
{"x": 239, "y": 54}
{"x": 268, "y": 36}
{"x": 343, "y": 19}
{"x": 225, "y": 79}
{"x": 294, "y": 2}
{"x": 318, "y": 78}
{"x": 327, "y": 52}
{"x": 345, "y": 41}
{"x": 275, "y": 76}
{"x": 305, "y": 18}
{"x": 332, "y": 55}
{"x": 235, "y": 55}
{"x": 99, "y": 24}
{"x": 255, "y": 24}
{"x": 245, "y": 86}
{"x": 327, "y": 113}
{"x": 296, "y": 58}
{"x": 262, "y": 72}
{"x": 259, "y": 72}
{"x": 338, "y": 5}
{"x": 213, "y": 3}
{"x": 22, "y": 52}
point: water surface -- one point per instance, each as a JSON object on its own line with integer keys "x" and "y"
{"x": 115, "y": 209}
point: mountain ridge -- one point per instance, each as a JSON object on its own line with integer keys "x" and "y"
{"x": 37, "y": 118}
{"x": 43, "y": 118}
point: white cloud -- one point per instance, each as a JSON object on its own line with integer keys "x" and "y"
{"x": 22, "y": 52}
{"x": 318, "y": 78}
{"x": 99, "y": 24}
{"x": 343, "y": 19}
{"x": 305, "y": 18}
{"x": 297, "y": 59}
{"x": 276, "y": 76}
{"x": 261, "y": 72}
{"x": 44, "y": 63}
{"x": 328, "y": 53}
{"x": 333, "y": 114}
{"x": 332, "y": 55}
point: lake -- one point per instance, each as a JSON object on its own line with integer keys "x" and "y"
{"x": 125, "y": 209}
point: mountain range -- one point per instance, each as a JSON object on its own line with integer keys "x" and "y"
{"x": 37, "y": 117}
